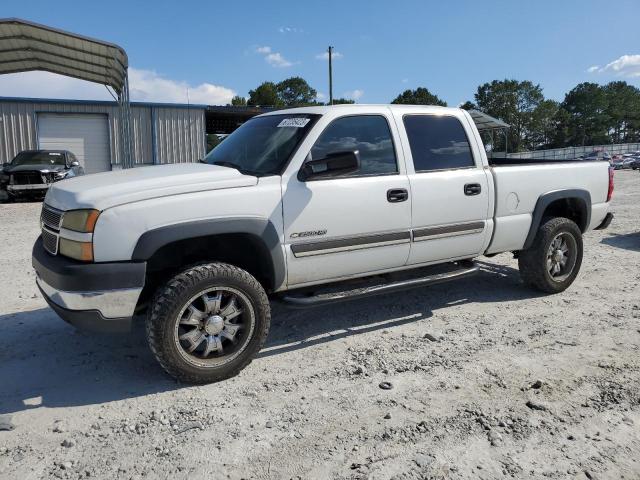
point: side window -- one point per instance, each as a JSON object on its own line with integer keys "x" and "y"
{"x": 437, "y": 142}
{"x": 369, "y": 134}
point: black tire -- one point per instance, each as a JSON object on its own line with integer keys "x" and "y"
{"x": 172, "y": 306}
{"x": 533, "y": 262}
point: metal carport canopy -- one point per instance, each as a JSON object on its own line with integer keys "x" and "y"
{"x": 487, "y": 122}
{"x": 27, "y": 46}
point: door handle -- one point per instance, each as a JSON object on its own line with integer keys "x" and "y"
{"x": 396, "y": 195}
{"x": 472, "y": 189}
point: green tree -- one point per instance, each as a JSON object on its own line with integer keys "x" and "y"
{"x": 542, "y": 128}
{"x": 295, "y": 92}
{"x": 469, "y": 106}
{"x": 513, "y": 102}
{"x": 265, "y": 94}
{"x": 419, "y": 96}
{"x": 588, "y": 122}
{"x": 623, "y": 110}
{"x": 239, "y": 101}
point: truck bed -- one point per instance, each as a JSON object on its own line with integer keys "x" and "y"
{"x": 520, "y": 182}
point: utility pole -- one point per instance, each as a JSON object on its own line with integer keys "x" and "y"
{"x": 330, "y": 76}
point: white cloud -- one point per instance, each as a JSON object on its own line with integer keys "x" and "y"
{"x": 354, "y": 94}
{"x": 290, "y": 30}
{"x": 275, "y": 59}
{"x": 405, "y": 80}
{"x": 325, "y": 56}
{"x": 625, "y": 66}
{"x": 145, "y": 85}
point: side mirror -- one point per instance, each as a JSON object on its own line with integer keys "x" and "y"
{"x": 333, "y": 165}
{"x": 75, "y": 163}
{"x": 6, "y": 164}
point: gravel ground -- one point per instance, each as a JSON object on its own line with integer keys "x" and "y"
{"x": 488, "y": 380}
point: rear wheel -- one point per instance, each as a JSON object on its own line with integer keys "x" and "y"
{"x": 552, "y": 263}
{"x": 207, "y": 323}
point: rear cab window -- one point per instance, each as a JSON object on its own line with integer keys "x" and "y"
{"x": 438, "y": 142}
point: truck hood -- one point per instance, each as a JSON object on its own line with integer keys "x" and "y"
{"x": 105, "y": 190}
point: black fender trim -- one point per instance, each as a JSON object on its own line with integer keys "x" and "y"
{"x": 547, "y": 199}
{"x": 149, "y": 242}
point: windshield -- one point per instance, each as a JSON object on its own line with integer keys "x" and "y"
{"x": 263, "y": 145}
{"x": 39, "y": 158}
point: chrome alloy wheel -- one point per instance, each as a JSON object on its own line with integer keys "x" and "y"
{"x": 214, "y": 326}
{"x": 561, "y": 256}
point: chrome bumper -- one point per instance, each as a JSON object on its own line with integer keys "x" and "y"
{"x": 111, "y": 304}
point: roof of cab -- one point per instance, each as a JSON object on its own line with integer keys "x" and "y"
{"x": 481, "y": 119}
{"x": 359, "y": 106}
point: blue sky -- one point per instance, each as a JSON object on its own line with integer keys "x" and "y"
{"x": 217, "y": 49}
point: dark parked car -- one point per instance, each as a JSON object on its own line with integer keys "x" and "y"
{"x": 636, "y": 164}
{"x": 31, "y": 172}
{"x": 597, "y": 155}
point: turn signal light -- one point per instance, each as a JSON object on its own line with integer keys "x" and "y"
{"x": 82, "y": 251}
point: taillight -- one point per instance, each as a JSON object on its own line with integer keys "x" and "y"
{"x": 610, "y": 192}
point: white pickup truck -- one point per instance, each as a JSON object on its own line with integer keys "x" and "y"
{"x": 295, "y": 205}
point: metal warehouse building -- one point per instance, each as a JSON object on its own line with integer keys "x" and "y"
{"x": 160, "y": 133}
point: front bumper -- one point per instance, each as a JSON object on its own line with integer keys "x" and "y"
{"x": 92, "y": 296}
{"x": 28, "y": 188}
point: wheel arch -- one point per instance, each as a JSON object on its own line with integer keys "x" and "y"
{"x": 254, "y": 239}
{"x": 574, "y": 204}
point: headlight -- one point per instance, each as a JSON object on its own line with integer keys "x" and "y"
{"x": 82, "y": 251}
{"x": 83, "y": 221}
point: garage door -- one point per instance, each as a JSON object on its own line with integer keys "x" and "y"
{"x": 87, "y": 136}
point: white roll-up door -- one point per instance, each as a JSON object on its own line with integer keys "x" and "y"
{"x": 86, "y": 135}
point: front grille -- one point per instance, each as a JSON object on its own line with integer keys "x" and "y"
{"x": 49, "y": 177}
{"x": 51, "y": 217}
{"x": 27, "y": 178}
{"x": 50, "y": 241}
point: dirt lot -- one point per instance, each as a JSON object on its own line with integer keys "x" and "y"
{"x": 506, "y": 382}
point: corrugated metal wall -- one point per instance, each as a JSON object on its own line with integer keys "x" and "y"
{"x": 178, "y": 132}
{"x": 180, "y": 135}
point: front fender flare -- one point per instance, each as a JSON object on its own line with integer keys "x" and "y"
{"x": 262, "y": 228}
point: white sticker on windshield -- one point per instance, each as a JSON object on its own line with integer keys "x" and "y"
{"x": 294, "y": 122}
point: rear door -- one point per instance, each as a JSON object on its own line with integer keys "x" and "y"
{"x": 352, "y": 225}
{"x": 449, "y": 187}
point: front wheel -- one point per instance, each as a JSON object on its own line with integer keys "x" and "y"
{"x": 552, "y": 263}
{"x": 207, "y": 323}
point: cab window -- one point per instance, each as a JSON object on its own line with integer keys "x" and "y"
{"x": 368, "y": 134}
{"x": 437, "y": 142}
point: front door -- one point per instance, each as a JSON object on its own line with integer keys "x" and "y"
{"x": 352, "y": 225}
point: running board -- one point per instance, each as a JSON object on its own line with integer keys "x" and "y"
{"x": 462, "y": 270}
